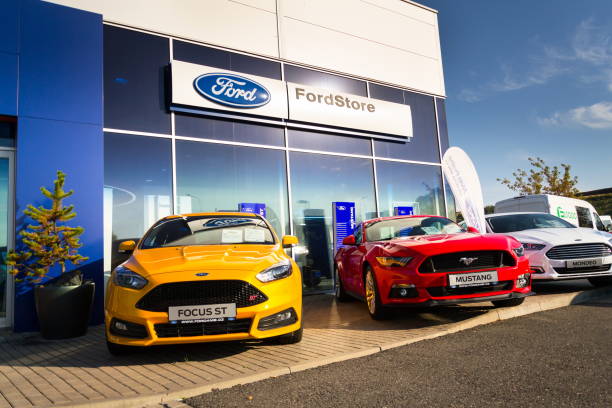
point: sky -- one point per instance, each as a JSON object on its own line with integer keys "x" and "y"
{"x": 529, "y": 78}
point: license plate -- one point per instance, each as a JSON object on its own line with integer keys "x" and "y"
{"x": 584, "y": 263}
{"x": 202, "y": 312}
{"x": 472, "y": 279}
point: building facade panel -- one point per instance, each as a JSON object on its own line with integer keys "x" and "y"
{"x": 243, "y": 25}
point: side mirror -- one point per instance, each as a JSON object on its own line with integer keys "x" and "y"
{"x": 350, "y": 240}
{"x": 289, "y": 241}
{"x": 126, "y": 247}
{"x": 473, "y": 230}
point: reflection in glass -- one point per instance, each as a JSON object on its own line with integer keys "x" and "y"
{"x": 411, "y": 185}
{"x": 207, "y": 128}
{"x": 4, "y": 205}
{"x": 302, "y": 139}
{"x": 318, "y": 180}
{"x": 451, "y": 207}
{"x": 424, "y": 144}
{"x": 214, "y": 177}
{"x": 137, "y": 186}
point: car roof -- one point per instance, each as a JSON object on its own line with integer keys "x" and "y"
{"x": 514, "y": 213}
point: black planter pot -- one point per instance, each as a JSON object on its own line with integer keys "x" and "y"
{"x": 64, "y": 311}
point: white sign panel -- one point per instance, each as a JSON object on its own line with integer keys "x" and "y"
{"x": 207, "y": 87}
{"x": 463, "y": 180}
{"x": 318, "y": 105}
{"x": 215, "y": 88}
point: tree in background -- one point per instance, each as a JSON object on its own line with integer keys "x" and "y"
{"x": 543, "y": 179}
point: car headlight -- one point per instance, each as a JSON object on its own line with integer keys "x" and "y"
{"x": 127, "y": 278}
{"x": 275, "y": 272}
{"x": 520, "y": 251}
{"x": 532, "y": 247}
{"x": 393, "y": 260}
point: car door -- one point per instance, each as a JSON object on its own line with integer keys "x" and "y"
{"x": 354, "y": 261}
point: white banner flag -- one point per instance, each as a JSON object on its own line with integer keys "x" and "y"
{"x": 463, "y": 180}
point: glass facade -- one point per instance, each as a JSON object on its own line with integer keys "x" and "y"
{"x": 137, "y": 185}
{"x": 317, "y": 181}
{"x": 409, "y": 185}
{"x": 215, "y": 177}
{"x": 198, "y": 163}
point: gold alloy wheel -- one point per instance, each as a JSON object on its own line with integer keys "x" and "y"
{"x": 370, "y": 290}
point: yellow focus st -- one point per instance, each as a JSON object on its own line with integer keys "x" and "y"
{"x": 204, "y": 277}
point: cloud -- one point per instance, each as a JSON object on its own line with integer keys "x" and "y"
{"x": 596, "y": 116}
{"x": 587, "y": 56}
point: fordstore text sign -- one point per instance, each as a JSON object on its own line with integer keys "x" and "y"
{"x": 199, "y": 86}
{"x": 232, "y": 90}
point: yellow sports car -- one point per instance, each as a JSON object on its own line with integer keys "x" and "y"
{"x": 204, "y": 277}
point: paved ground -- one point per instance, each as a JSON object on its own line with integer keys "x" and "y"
{"x": 558, "y": 358}
{"x": 36, "y": 372}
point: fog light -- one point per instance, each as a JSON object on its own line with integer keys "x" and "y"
{"x": 403, "y": 290}
{"x": 127, "y": 329}
{"x": 523, "y": 280}
{"x": 120, "y": 325}
{"x": 280, "y": 319}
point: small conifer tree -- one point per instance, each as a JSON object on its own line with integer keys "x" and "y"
{"x": 48, "y": 241}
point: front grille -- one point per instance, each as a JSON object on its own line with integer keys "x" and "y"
{"x": 469, "y": 290}
{"x": 602, "y": 268}
{"x": 451, "y": 262}
{"x": 579, "y": 251}
{"x": 202, "y": 329}
{"x": 210, "y": 292}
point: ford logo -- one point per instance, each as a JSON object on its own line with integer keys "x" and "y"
{"x": 232, "y": 90}
{"x": 202, "y": 274}
{"x": 341, "y": 207}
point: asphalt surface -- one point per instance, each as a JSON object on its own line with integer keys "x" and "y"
{"x": 559, "y": 358}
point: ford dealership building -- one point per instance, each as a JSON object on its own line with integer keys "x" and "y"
{"x": 157, "y": 107}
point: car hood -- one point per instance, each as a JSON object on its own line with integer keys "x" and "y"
{"x": 560, "y": 236}
{"x": 445, "y": 243}
{"x": 203, "y": 258}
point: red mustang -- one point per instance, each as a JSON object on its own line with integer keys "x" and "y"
{"x": 426, "y": 261}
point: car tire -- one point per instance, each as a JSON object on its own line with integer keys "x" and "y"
{"x": 508, "y": 302}
{"x": 375, "y": 307}
{"x": 601, "y": 281}
{"x": 118, "y": 349}
{"x": 341, "y": 295}
{"x": 290, "y": 338}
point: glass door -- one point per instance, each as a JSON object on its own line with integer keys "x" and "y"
{"x": 6, "y": 234}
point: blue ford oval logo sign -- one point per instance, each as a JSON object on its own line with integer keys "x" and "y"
{"x": 202, "y": 274}
{"x": 232, "y": 90}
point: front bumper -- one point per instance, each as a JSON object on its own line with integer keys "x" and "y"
{"x": 432, "y": 289}
{"x": 543, "y": 268}
{"x": 282, "y": 295}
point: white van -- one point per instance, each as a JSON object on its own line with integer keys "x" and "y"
{"x": 578, "y": 212}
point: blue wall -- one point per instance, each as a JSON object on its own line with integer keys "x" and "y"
{"x": 59, "y": 89}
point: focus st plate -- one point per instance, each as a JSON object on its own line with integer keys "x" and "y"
{"x": 585, "y": 263}
{"x": 472, "y": 279}
{"x": 202, "y": 312}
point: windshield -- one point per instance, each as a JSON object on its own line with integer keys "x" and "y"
{"x": 384, "y": 230}
{"x": 520, "y": 222}
{"x": 208, "y": 230}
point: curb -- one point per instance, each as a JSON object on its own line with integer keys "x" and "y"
{"x": 540, "y": 303}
